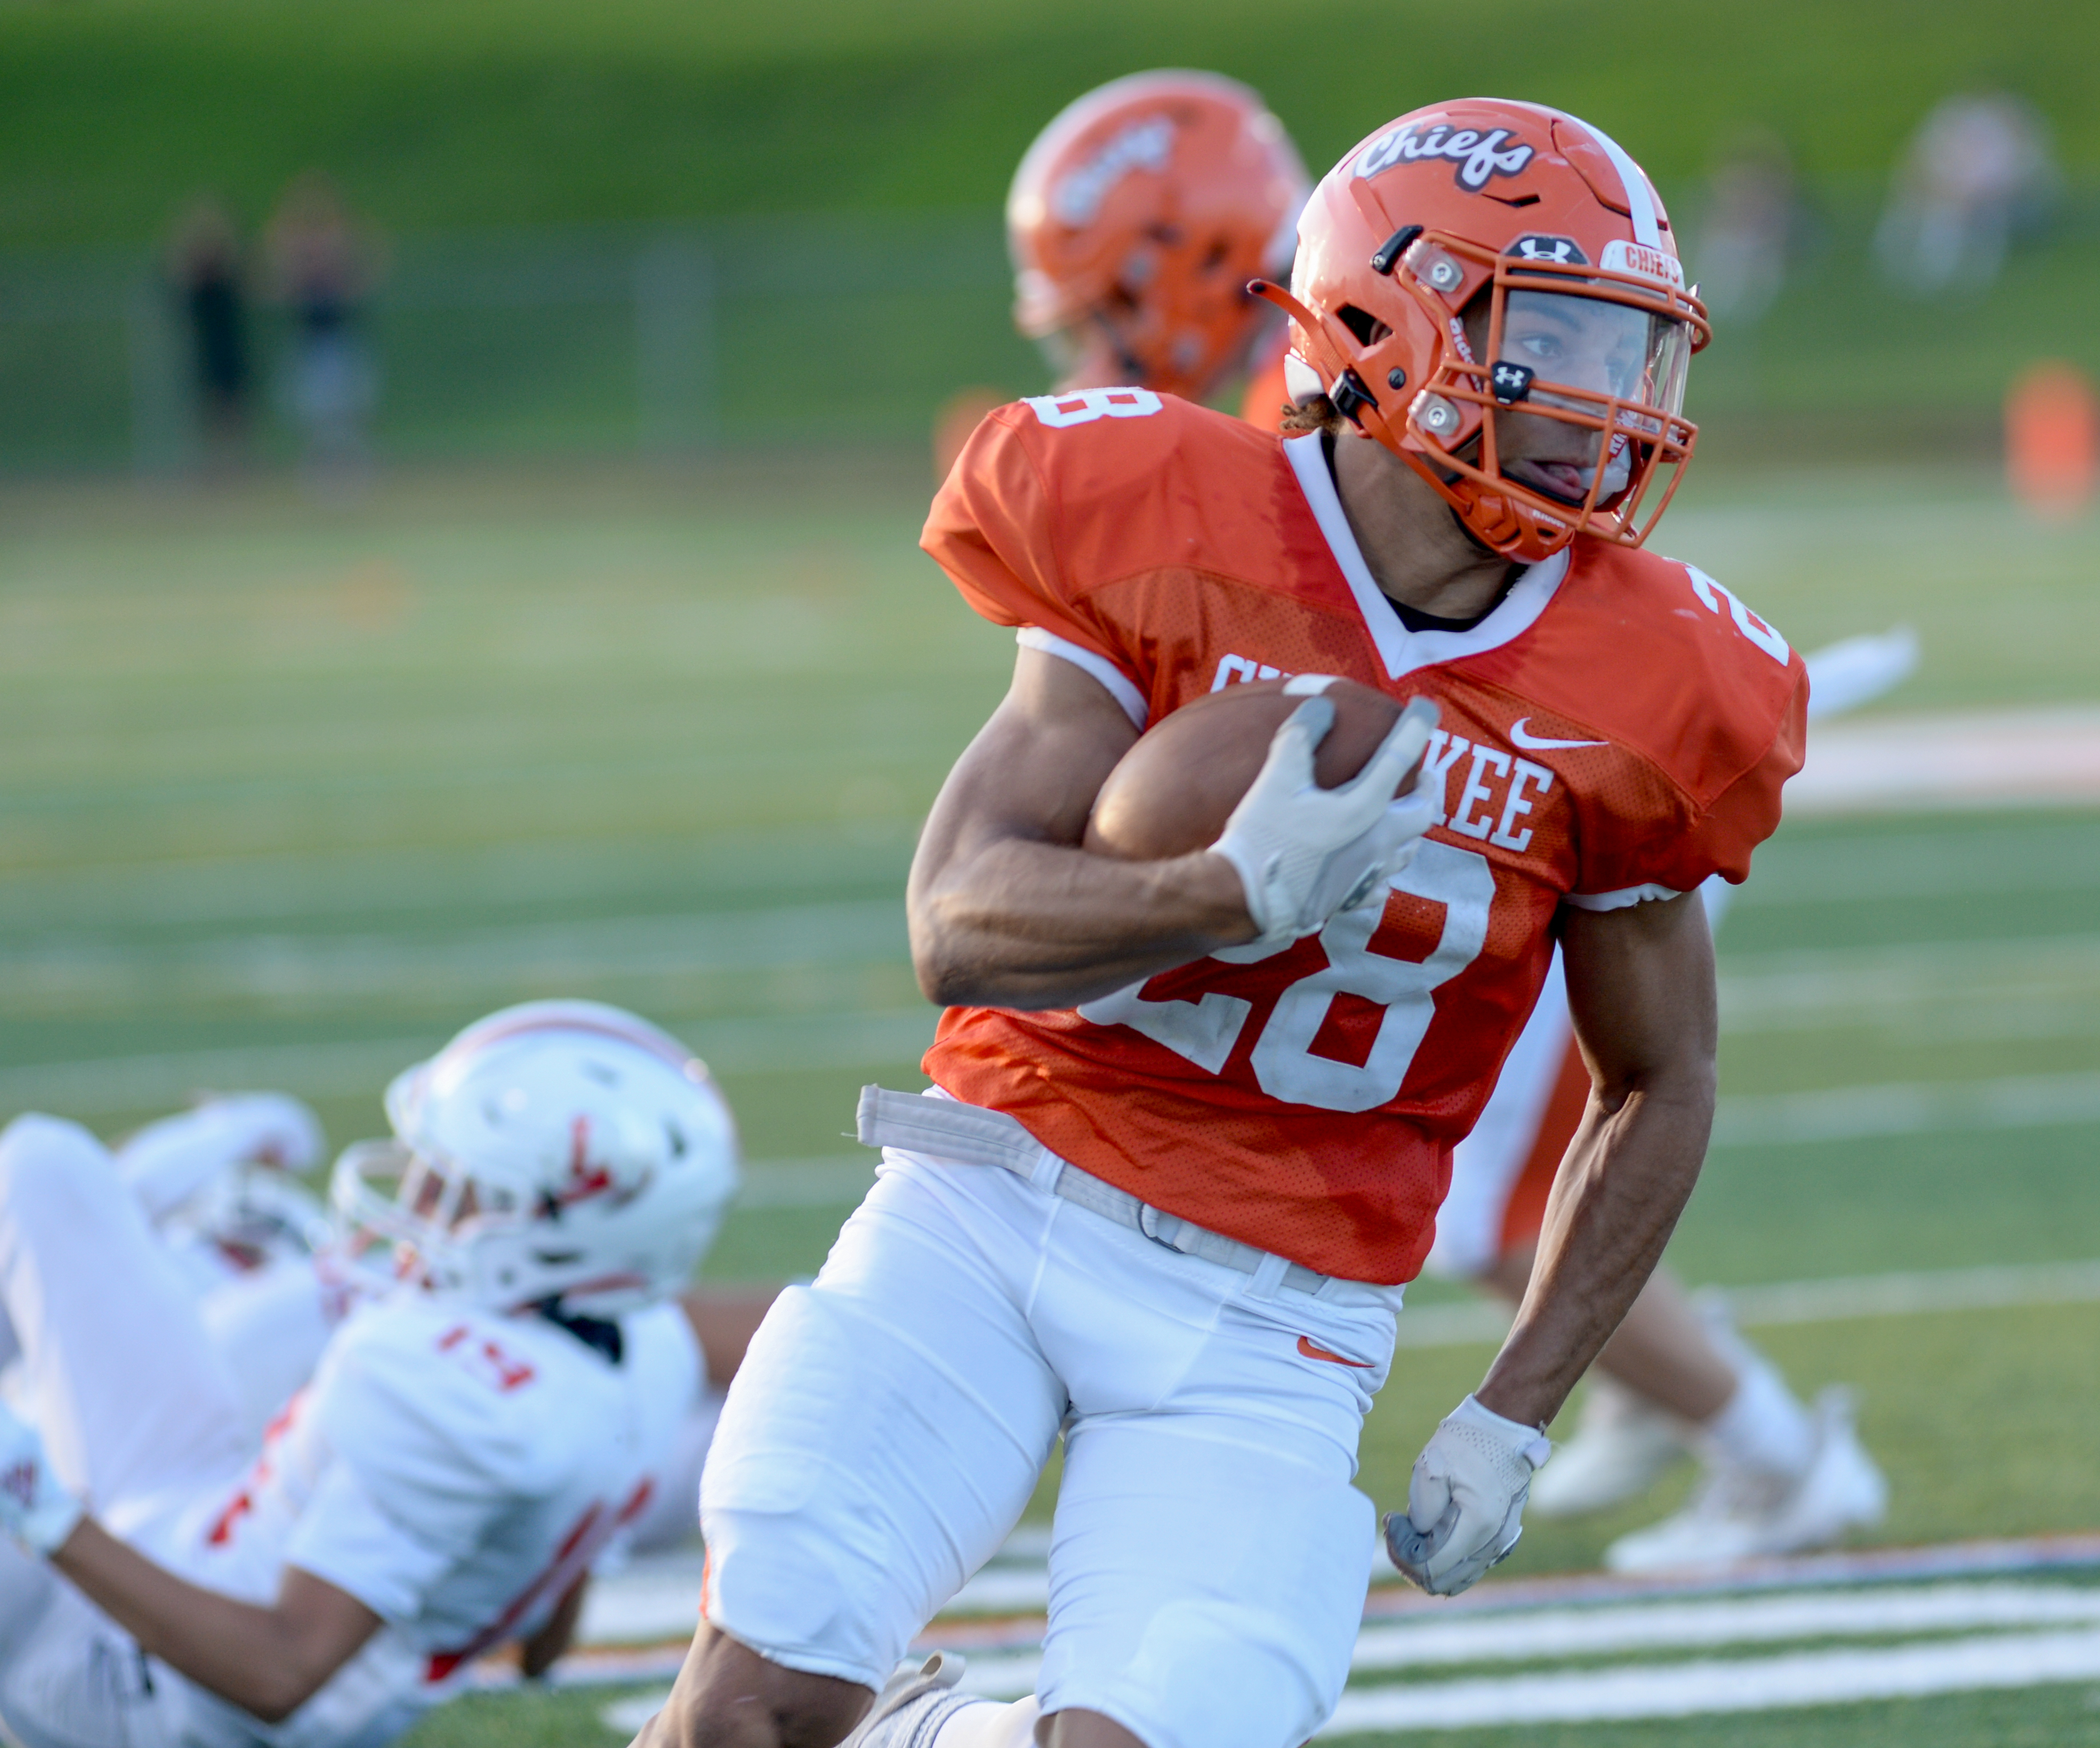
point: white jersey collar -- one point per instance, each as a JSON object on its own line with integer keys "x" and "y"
{"x": 1402, "y": 650}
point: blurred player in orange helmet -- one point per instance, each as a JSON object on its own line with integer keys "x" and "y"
{"x": 1192, "y": 1120}
{"x": 1136, "y": 221}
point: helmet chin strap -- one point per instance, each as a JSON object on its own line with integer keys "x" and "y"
{"x": 1459, "y": 522}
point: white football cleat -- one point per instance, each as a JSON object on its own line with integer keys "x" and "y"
{"x": 1740, "y": 1515}
{"x": 912, "y": 1704}
{"x": 1623, "y": 1445}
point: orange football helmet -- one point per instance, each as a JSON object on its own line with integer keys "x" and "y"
{"x": 1136, "y": 220}
{"x": 1583, "y": 319}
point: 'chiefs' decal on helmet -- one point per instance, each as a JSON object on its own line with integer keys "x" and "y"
{"x": 1143, "y": 145}
{"x": 1650, "y": 264}
{"x": 1480, "y": 157}
{"x": 1564, "y": 250}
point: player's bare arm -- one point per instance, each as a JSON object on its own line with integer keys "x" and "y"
{"x": 1006, "y": 909}
{"x": 1640, "y": 986}
{"x": 539, "y": 1651}
{"x": 269, "y": 1661}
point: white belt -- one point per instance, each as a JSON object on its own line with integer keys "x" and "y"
{"x": 947, "y": 1129}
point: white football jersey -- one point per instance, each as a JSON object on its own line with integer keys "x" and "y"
{"x": 272, "y": 1324}
{"x": 455, "y": 1470}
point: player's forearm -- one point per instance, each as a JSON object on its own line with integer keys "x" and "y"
{"x": 1025, "y": 924}
{"x": 242, "y": 1652}
{"x": 1614, "y": 1205}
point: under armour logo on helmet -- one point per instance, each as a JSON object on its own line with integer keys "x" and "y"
{"x": 1512, "y": 383}
{"x": 1564, "y": 251}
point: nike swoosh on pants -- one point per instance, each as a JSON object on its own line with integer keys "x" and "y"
{"x": 1312, "y": 1351}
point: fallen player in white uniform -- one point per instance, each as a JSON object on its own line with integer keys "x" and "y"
{"x": 1781, "y": 1475}
{"x": 470, "y": 1443}
{"x": 217, "y": 1184}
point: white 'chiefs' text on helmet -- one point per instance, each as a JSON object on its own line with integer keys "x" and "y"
{"x": 558, "y": 1150}
{"x": 1483, "y": 258}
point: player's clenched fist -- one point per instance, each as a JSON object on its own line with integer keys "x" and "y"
{"x": 1305, "y": 853}
{"x": 35, "y": 1506}
{"x": 1465, "y": 1499}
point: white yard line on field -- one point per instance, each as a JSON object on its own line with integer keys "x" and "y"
{"x": 1545, "y": 1634}
{"x": 1762, "y": 1684}
{"x": 1905, "y": 1294}
{"x": 2014, "y": 1101}
{"x": 998, "y": 1616}
{"x": 1993, "y": 1654}
{"x": 1977, "y": 758}
{"x": 1667, "y": 1690}
{"x": 1884, "y": 1611}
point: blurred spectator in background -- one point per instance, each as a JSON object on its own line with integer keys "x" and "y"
{"x": 1977, "y": 174}
{"x": 209, "y": 277}
{"x": 1749, "y": 234}
{"x": 2052, "y": 439}
{"x": 324, "y": 266}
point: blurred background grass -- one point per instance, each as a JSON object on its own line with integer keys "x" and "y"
{"x": 829, "y": 177}
{"x": 446, "y": 113}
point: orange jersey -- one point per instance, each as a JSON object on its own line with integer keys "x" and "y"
{"x": 1619, "y": 724}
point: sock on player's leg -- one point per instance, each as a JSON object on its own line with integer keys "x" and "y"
{"x": 989, "y": 1724}
{"x": 956, "y": 1720}
{"x": 1763, "y": 1427}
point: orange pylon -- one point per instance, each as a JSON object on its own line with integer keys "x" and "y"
{"x": 2052, "y": 439}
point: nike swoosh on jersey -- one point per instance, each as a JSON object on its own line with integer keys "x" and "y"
{"x": 1520, "y": 736}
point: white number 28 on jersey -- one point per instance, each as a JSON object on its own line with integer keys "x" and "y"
{"x": 1204, "y": 1031}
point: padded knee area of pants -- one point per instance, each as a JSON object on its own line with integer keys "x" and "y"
{"x": 1212, "y": 1600}
{"x": 856, "y": 1480}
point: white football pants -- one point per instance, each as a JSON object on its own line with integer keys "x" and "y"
{"x": 138, "y": 1413}
{"x": 1210, "y": 1556}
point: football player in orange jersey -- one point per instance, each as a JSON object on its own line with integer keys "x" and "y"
{"x": 1192, "y": 1118}
{"x": 1134, "y": 221}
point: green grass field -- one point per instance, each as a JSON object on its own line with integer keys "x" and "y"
{"x": 442, "y": 114}
{"x": 291, "y": 790}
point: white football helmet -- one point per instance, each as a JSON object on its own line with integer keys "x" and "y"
{"x": 558, "y": 1149}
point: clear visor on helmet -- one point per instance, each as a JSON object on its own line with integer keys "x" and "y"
{"x": 1602, "y": 350}
{"x": 1618, "y": 368}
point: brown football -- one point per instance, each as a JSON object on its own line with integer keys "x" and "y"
{"x": 1172, "y": 792}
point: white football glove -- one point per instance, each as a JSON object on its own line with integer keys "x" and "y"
{"x": 1465, "y": 1499}
{"x": 1305, "y": 853}
{"x": 35, "y": 1506}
